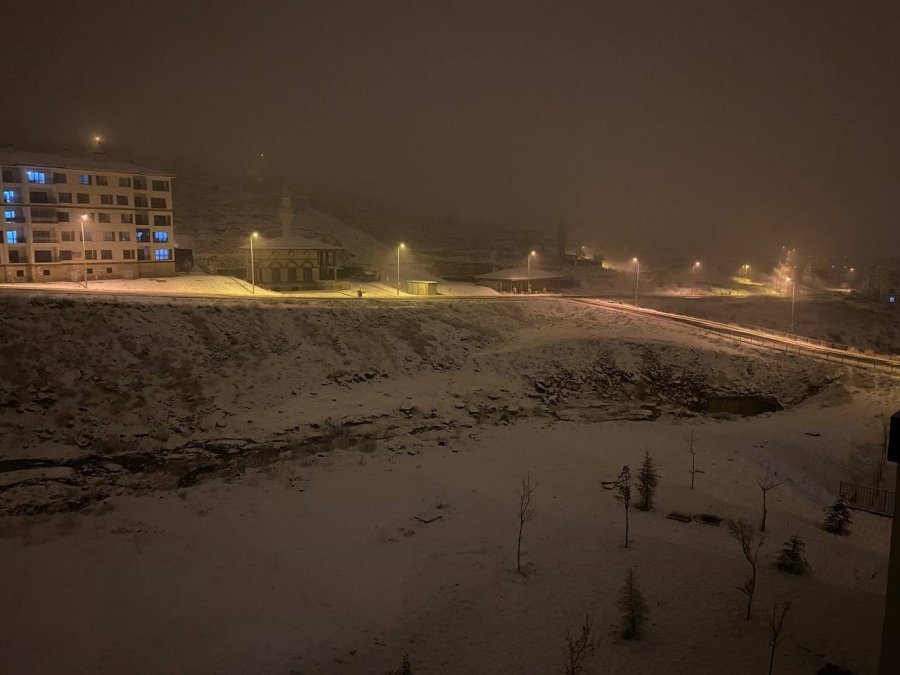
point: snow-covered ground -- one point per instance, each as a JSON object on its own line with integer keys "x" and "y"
{"x": 295, "y": 543}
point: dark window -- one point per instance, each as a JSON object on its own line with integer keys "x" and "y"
{"x": 14, "y": 258}
{"x": 109, "y": 270}
{"x": 90, "y": 254}
{"x": 106, "y": 255}
{"x": 67, "y": 235}
{"x": 39, "y": 197}
{"x": 161, "y": 185}
{"x": 59, "y": 178}
{"x": 124, "y": 182}
{"x": 140, "y": 201}
{"x": 106, "y": 199}
{"x": 11, "y": 176}
{"x": 124, "y": 236}
{"x": 102, "y": 180}
{"x": 141, "y": 219}
{"x": 103, "y": 217}
{"x": 90, "y": 270}
{"x": 43, "y": 256}
{"x": 158, "y": 202}
{"x": 127, "y": 218}
{"x": 82, "y": 198}
{"x": 162, "y": 221}
{"x": 128, "y": 255}
{"x": 140, "y": 183}
{"x": 46, "y": 273}
{"x": 65, "y": 255}
{"x": 65, "y": 197}
{"x": 62, "y": 217}
{"x": 122, "y": 200}
{"x": 143, "y": 254}
{"x": 109, "y": 236}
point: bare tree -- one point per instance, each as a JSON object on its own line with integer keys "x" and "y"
{"x": 623, "y": 494}
{"x": 580, "y": 647}
{"x": 776, "y": 623}
{"x": 633, "y": 607}
{"x": 693, "y": 450}
{"x": 526, "y": 513}
{"x": 750, "y": 541}
{"x": 767, "y": 483}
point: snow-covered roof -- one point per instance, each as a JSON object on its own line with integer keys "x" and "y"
{"x": 96, "y": 162}
{"x": 292, "y": 243}
{"x": 519, "y": 274}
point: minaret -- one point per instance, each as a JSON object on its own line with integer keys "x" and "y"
{"x": 287, "y": 214}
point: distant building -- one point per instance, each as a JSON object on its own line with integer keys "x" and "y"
{"x": 128, "y": 229}
{"x": 884, "y": 281}
{"x": 294, "y": 262}
{"x": 517, "y": 280}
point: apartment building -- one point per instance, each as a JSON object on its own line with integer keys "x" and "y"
{"x": 124, "y": 211}
{"x": 884, "y": 281}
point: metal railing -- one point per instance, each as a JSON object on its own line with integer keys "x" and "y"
{"x": 865, "y": 498}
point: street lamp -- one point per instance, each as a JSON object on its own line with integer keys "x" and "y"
{"x": 637, "y": 278}
{"x": 793, "y": 298}
{"x": 252, "y": 267}
{"x": 399, "y": 248}
{"x": 83, "y": 251}
{"x": 693, "y": 273}
{"x": 528, "y": 267}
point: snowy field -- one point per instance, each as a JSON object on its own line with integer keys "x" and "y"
{"x": 321, "y": 487}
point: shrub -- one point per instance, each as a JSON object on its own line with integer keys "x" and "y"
{"x": 838, "y": 518}
{"x": 791, "y": 558}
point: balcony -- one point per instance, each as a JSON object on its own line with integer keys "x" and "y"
{"x": 52, "y": 239}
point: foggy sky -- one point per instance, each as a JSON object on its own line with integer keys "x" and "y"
{"x": 679, "y": 126}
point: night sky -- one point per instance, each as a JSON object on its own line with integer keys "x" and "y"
{"x": 682, "y": 126}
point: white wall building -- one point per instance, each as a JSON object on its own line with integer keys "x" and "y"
{"x": 127, "y": 209}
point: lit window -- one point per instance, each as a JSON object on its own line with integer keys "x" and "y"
{"x": 12, "y": 237}
{"x": 85, "y": 179}
{"x": 10, "y": 216}
{"x": 12, "y": 196}
{"x": 162, "y": 254}
{"x": 161, "y": 237}
{"x": 36, "y": 177}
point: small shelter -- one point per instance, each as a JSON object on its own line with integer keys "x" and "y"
{"x": 414, "y": 287}
{"x": 518, "y": 279}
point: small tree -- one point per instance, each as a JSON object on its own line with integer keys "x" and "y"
{"x": 791, "y": 558}
{"x": 882, "y": 456}
{"x": 526, "y": 513}
{"x": 633, "y": 607}
{"x": 776, "y": 623}
{"x": 693, "y": 450}
{"x": 405, "y": 667}
{"x": 647, "y": 482}
{"x": 750, "y": 541}
{"x": 623, "y": 494}
{"x": 580, "y": 648}
{"x": 838, "y": 518}
{"x": 766, "y": 484}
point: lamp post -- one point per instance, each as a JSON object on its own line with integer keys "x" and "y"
{"x": 252, "y": 266}
{"x": 83, "y": 250}
{"x": 637, "y": 278}
{"x": 693, "y": 274}
{"x": 528, "y": 268}
{"x": 793, "y": 283}
{"x": 399, "y": 248}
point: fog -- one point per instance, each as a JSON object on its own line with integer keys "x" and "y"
{"x": 698, "y": 129}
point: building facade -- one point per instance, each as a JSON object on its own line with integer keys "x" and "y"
{"x": 124, "y": 211}
{"x": 884, "y": 281}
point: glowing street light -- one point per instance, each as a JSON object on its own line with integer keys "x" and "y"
{"x": 83, "y": 251}
{"x": 693, "y": 274}
{"x": 793, "y": 298}
{"x": 528, "y": 267}
{"x": 399, "y": 248}
{"x": 637, "y": 278}
{"x": 252, "y": 266}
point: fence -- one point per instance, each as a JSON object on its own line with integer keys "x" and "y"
{"x": 865, "y": 498}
